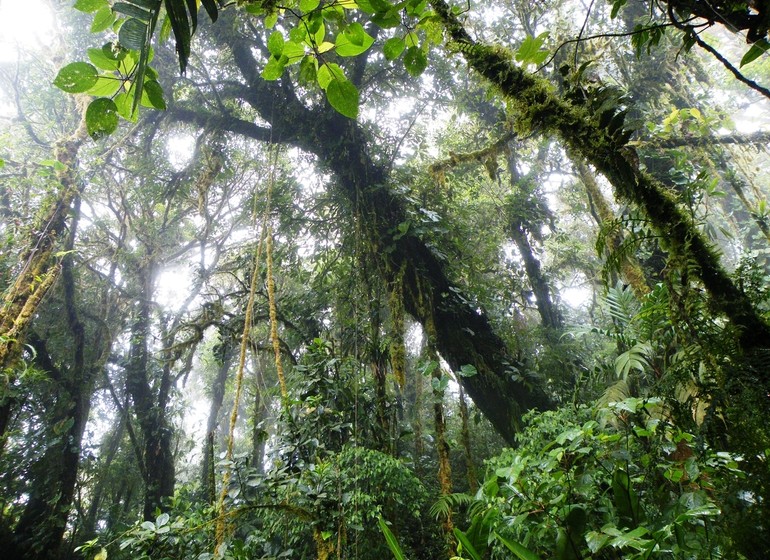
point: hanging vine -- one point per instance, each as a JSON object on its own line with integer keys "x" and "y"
{"x": 221, "y": 526}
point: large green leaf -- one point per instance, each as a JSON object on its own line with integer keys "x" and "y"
{"x": 393, "y": 48}
{"x": 756, "y": 50}
{"x": 308, "y": 73}
{"x": 76, "y": 77}
{"x": 89, "y": 6}
{"x": 211, "y": 9}
{"x": 468, "y": 548}
{"x": 99, "y": 59}
{"x": 106, "y": 86}
{"x": 343, "y": 96}
{"x": 275, "y": 43}
{"x": 103, "y": 19}
{"x": 133, "y": 34}
{"x": 415, "y": 61}
{"x": 329, "y": 72}
{"x": 393, "y": 545}
{"x": 101, "y": 118}
{"x": 125, "y": 106}
{"x": 353, "y": 41}
{"x": 152, "y": 95}
{"x": 521, "y": 552}
{"x": 132, "y": 10}
{"x": 273, "y": 69}
{"x": 308, "y": 5}
{"x": 626, "y": 499}
{"x": 294, "y": 52}
{"x": 177, "y": 14}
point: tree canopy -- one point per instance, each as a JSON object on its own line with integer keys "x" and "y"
{"x": 353, "y": 278}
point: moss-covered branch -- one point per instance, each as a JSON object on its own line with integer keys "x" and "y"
{"x": 39, "y": 268}
{"x": 588, "y": 136}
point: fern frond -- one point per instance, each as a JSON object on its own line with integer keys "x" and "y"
{"x": 445, "y": 504}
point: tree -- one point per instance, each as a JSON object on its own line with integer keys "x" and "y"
{"x": 369, "y": 223}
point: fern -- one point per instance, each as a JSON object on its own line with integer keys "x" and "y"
{"x": 622, "y": 305}
{"x": 616, "y": 392}
{"x": 445, "y": 504}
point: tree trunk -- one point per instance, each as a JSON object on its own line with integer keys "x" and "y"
{"x": 464, "y": 335}
{"x": 465, "y": 434}
{"x": 630, "y": 270}
{"x": 43, "y": 522}
{"x": 217, "y": 398}
{"x": 157, "y": 434}
{"x": 444, "y": 467}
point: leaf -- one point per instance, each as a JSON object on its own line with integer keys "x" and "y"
{"x": 89, "y": 6}
{"x": 99, "y": 59}
{"x": 271, "y": 19}
{"x": 275, "y": 44}
{"x": 307, "y": 70}
{"x": 102, "y": 555}
{"x": 273, "y": 69}
{"x": 308, "y": 5}
{"x": 521, "y": 552}
{"x": 596, "y": 541}
{"x": 626, "y": 499}
{"x": 101, "y": 118}
{"x": 391, "y": 540}
{"x": 106, "y": 86}
{"x": 294, "y": 52}
{"x": 211, "y": 9}
{"x": 162, "y": 519}
{"x": 132, "y": 10}
{"x": 393, "y": 48}
{"x": 529, "y": 52}
{"x": 114, "y": 51}
{"x": 76, "y": 77}
{"x": 329, "y": 72}
{"x": 124, "y": 103}
{"x": 415, "y": 61}
{"x": 616, "y": 5}
{"x": 756, "y": 50}
{"x": 133, "y": 34}
{"x": 353, "y": 41}
{"x": 177, "y": 14}
{"x": 152, "y": 95}
{"x": 343, "y": 96}
{"x": 103, "y": 19}
{"x": 468, "y": 371}
{"x": 467, "y": 546}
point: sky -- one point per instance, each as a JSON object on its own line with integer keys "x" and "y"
{"x": 24, "y": 25}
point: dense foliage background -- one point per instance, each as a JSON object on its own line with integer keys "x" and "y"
{"x": 372, "y": 279}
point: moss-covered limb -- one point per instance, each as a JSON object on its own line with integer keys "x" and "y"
{"x": 12, "y": 338}
{"x": 479, "y": 156}
{"x": 39, "y": 269}
{"x": 630, "y": 269}
{"x": 584, "y": 134}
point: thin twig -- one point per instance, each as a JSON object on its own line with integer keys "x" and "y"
{"x": 716, "y": 54}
